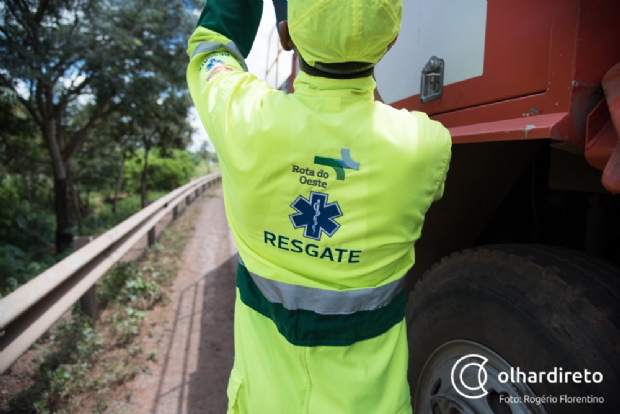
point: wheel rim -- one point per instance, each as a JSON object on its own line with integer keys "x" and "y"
{"x": 436, "y": 394}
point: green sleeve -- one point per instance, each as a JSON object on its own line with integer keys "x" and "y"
{"x": 238, "y": 20}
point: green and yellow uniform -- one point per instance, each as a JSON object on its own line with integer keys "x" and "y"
{"x": 325, "y": 192}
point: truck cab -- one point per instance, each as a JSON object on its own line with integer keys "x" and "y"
{"x": 517, "y": 270}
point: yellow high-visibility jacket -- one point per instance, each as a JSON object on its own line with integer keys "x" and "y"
{"x": 325, "y": 192}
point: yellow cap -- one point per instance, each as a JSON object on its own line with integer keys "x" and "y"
{"x": 339, "y": 31}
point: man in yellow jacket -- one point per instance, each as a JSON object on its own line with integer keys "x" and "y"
{"x": 325, "y": 192}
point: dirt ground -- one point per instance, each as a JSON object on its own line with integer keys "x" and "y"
{"x": 192, "y": 337}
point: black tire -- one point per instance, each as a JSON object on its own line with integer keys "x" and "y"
{"x": 538, "y": 307}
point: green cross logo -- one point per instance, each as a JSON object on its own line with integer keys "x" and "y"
{"x": 339, "y": 165}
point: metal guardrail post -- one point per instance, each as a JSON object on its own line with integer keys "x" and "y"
{"x": 151, "y": 237}
{"x": 175, "y": 212}
{"x": 88, "y": 302}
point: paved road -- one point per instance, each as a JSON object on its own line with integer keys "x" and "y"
{"x": 195, "y": 349}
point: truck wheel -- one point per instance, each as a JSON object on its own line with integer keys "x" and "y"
{"x": 526, "y": 307}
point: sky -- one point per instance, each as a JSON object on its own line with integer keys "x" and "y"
{"x": 257, "y": 63}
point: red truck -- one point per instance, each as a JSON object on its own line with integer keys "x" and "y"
{"x": 518, "y": 263}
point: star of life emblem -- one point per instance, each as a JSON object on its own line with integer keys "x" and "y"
{"x": 315, "y": 215}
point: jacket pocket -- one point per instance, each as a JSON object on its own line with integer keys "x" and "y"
{"x": 234, "y": 387}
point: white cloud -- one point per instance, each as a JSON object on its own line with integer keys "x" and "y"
{"x": 257, "y": 64}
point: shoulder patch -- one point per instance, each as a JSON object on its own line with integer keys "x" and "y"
{"x": 213, "y": 60}
{"x": 218, "y": 69}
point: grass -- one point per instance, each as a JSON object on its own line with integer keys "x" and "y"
{"x": 81, "y": 362}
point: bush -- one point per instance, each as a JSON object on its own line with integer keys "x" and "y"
{"x": 163, "y": 173}
{"x": 166, "y": 174}
{"x": 104, "y": 219}
{"x": 98, "y": 223}
{"x": 26, "y": 237}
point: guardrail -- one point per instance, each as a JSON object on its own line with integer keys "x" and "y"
{"x": 28, "y": 312}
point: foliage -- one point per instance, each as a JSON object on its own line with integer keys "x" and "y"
{"x": 25, "y": 234}
{"x": 63, "y": 371}
{"x": 127, "y": 284}
{"x": 19, "y": 144}
{"x": 73, "y": 64}
{"x": 104, "y": 219}
{"x": 205, "y": 160}
{"x": 157, "y": 123}
{"x": 163, "y": 173}
{"x": 20, "y": 225}
{"x": 84, "y": 84}
{"x": 94, "y": 168}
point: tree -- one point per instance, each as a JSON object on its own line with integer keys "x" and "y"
{"x": 157, "y": 118}
{"x": 121, "y": 132}
{"x": 204, "y": 154}
{"x": 92, "y": 169}
{"x": 18, "y": 141}
{"x": 67, "y": 56}
{"x": 100, "y": 163}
